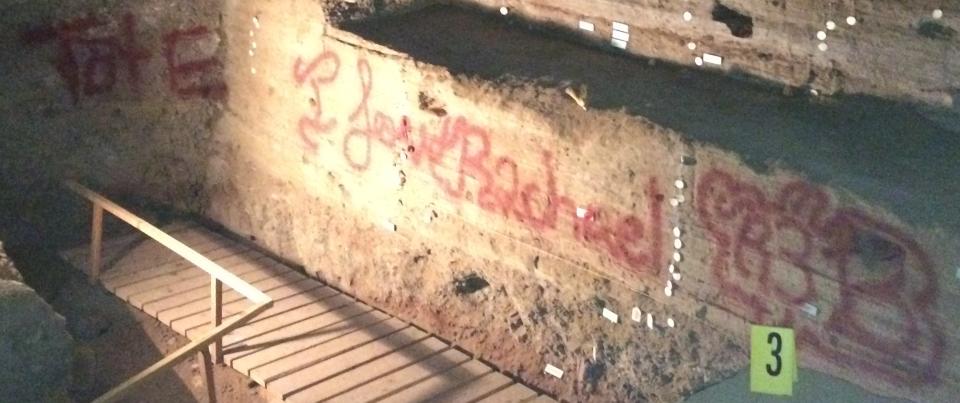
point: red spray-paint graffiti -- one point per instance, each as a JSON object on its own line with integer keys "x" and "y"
{"x": 461, "y": 160}
{"x": 93, "y": 53}
{"x": 773, "y": 254}
{"x": 312, "y": 124}
{"x": 197, "y": 77}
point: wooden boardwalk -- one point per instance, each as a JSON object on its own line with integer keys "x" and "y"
{"x": 315, "y": 344}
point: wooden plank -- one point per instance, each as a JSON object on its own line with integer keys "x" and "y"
{"x": 284, "y": 378}
{"x": 516, "y": 393}
{"x": 478, "y": 388}
{"x": 131, "y": 235}
{"x": 327, "y": 360}
{"x": 176, "y": 282}
{"x": 286, "y": 310}
{"x": 335, "y": 310}
{"x": 137, "y": 261}
{"x": 349, "y": 319}
{"x": 233, "y": 302}
{"x": 131, "y": 258}
{"x": 408, "y": 376}
{"x": 120, "y": 278}
{"x": 302, "y": 387}
{"x": 173, "y": 295}
{"x": 307, "y": 303}
{"x": 189, "y": 279}
{"x": 113, "y": 247}
{"x": 197, "y": 238}
{"x": 176, "y": 246}
{"x": 436, "y": 385}
{"x": 189, "y": 297}
{"x": 195, "y": 325}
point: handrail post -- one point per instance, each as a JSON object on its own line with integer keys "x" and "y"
{"x": 96, "y": 242}
{"x": 216, "y": 309}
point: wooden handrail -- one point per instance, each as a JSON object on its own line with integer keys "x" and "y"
{"x": 228, "y": 278}
{"x": 218, "y": 277}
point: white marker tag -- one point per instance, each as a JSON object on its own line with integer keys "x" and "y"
{"x": 810, "y": 309}
{"x": 552, "y": 370}
{"x": 712, "y": 59}
{"x": 619, "y": 26}
{"x": 623, "y": 36}
{"x": 586, "y": 26}
{"x": 636, "y": 314}
{"x": 610, "y": 315}
{"x": 617, "y": 43}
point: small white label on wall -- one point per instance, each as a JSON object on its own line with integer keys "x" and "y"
{"x": 552, "y": 370}
{"x": 636, "y": 315}
{"x": 610, "y": 315}
{"x": 617, "y": 43}
{"x": 619, "y": 26}
{"x": 810, "y": 309}
{"x": 712, "y": 59}
{"x": 623, "y": 36}
{"x": 586, "y": 26}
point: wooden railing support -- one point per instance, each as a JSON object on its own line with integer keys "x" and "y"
{"x": 125, "y": 388}
{"x": 216, "y": 310}
{"x": 96, "y": 243}
{"x": 207, "y": 364}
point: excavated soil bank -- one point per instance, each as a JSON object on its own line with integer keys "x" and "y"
{"x": 884, "y": 151}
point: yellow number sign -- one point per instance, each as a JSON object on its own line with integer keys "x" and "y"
{"x": 773, "y": 360}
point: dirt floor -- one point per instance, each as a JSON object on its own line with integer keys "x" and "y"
{"x": 114, "y": 341}
{"x": 886, "y": 152}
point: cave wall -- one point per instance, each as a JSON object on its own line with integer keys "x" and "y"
{"x": 118, "y": 94}
{"x": 397, "y": 181}
{"x": 502, "y": 218}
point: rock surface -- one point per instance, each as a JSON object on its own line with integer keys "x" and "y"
{"x": 35, "y": 349}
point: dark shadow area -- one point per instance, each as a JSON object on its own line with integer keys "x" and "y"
{"x": 881, "y": 150}
{"x": 936, "y": 30}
